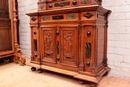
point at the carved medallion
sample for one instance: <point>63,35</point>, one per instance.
<point>88,15</point>
<point>33,18</point>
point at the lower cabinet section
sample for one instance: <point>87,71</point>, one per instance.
<point>71,41</point>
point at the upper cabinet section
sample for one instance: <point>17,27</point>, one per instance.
<point>59,4</point>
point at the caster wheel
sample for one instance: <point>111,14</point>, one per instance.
<point>40,70</point>
<point>33,69</point>
<point>81,82</point>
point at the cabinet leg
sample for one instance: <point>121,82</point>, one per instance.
<point>33,69</point>
<point>92,84</point>
<point>40,70</point>
<point>81,81</point>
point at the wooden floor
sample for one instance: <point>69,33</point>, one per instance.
<point>14,75</point>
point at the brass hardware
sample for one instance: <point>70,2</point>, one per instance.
<point>50,5</point>
<point>74,2</point>
<point>88,49</point>
<point>88,15</point>
<point>57,32</point>
<point>58,58</point>
<point>88,33</point>
<point>35,45</point>
<point>62,4</point>
<point>35,32</point>
<point>41,6</point>
<point>88,63</point>
<point>33,19</point>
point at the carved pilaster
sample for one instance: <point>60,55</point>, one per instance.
<point>18,57</point>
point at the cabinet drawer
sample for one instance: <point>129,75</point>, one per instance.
<point>61,4</point>
<point>60,17</point>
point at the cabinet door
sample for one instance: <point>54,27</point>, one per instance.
<point>69,45</point>
<point>48,44</point>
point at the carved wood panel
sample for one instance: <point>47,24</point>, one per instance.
<point>4,13</point>
<point>5,39</point>
<point>48,34</point>
<point>69,45</point>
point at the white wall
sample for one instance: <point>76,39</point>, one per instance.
<point>25,6</point>
<point>118,33</point>
<point>119,37</point>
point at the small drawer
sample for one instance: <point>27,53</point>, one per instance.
<point>62,4</point>
<point>60,17</point>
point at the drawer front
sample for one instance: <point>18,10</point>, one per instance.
<point>61,4</point>
<point>60,17</point>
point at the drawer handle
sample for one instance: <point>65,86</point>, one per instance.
<point>88,33</point>
<point>74,2</point>
<point>35,32</point>
<point>88,63</point>
<point>50,5</point>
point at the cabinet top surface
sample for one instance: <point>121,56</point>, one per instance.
<point>72,10</point>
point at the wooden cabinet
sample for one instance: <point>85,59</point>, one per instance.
<point>8,30</point>
<point>71,41</point>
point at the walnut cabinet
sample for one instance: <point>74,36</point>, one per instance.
<point>71,41</point>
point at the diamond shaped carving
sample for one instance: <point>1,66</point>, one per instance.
<point>88,15</point>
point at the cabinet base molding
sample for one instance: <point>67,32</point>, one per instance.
<point>91,78</point>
